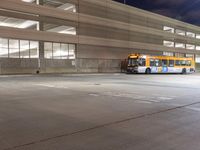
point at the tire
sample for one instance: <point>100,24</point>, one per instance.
<point>184,71</point>
<point>148,71</point>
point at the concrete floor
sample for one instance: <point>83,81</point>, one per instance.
<point>100,112</point>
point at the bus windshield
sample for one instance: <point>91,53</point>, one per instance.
<point>136,62</point>
<point>133,62</point>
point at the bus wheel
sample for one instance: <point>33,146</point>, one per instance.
<point>148,71</point>
<point>184,71</point>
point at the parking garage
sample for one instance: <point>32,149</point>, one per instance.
<point>71,36</point>
<point>61,86</point>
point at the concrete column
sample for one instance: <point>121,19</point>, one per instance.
<point>41,28</point>
<point>41,43</point>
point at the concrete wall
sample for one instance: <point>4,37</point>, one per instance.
<point>31,66</point>
<point>18,66</point>
<point>197,67</point>
<point>98,65</point>
<point>84,65</point>
<point>109,10</point>
<point>57,66</point>
<point>111,33</point>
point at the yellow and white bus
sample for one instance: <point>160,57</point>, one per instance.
<point>138,63</point>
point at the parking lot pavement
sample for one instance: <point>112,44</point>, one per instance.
<point>100,111</point>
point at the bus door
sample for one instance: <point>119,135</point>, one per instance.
<point>156,65</point>
<point>171,68</point>
<point>142,65</point>
<point>164,66</point>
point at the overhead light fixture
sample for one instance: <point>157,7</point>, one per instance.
<point>28,1</point>
<point>69,7</point>
<point>27,24</point>
<point>64,30</point>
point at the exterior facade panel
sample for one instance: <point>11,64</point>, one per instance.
<point>69,36</point>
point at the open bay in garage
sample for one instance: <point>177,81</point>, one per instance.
<point>100,112</point>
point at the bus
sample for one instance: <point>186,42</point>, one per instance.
<point>139,63</point>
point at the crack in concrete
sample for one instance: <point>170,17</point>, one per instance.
<point>102,126</point>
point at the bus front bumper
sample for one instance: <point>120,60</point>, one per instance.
<point>132,70</point>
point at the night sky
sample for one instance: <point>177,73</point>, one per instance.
<point>184,10</point>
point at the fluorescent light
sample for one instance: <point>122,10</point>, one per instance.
<point>28,1</point>
<point>68,7</point>
<point>27,24</point>
<point>17,23</point>
<point>64,30</point>
<point>68,32</point>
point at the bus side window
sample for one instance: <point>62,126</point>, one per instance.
<point>178,63</point>
<point>160,63</point>
<point>188,63</point>
<point>183,63</point>
<point>171,63</point>
<point>157,64</point>
<point>142,62</point>
<point>164,63</point>
<point>152,62</point>
<point>129,61</point>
